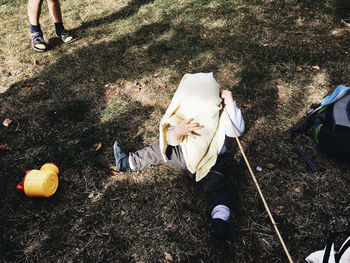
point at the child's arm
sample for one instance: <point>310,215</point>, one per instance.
<point>234,112</point>
<point>186,127</point>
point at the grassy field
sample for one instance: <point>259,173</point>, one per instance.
<point>69,104</point>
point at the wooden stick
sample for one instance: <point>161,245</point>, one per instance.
<point>260,192</point>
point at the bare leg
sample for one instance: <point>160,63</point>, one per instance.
<point>55,10</point>
<point>34,10</point>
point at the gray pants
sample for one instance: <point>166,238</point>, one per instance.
<point>151,155</point>
<point>214,184</point>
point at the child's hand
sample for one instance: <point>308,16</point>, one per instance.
<point>226,96</point>
<point>184,128</point>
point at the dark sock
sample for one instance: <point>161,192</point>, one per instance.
<point>59,28</point>
<point>35,29</point>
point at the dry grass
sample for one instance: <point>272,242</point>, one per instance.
<point>116,81</point>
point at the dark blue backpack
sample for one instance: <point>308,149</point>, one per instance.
<point>330,125</point>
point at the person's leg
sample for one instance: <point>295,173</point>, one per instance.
<point>55,10</point>
<point>56,13</point>
<point>216,189</point>
<point>152,156</point>
<point>34,10</point>
<point>148,156</point>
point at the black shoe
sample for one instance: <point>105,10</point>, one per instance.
<point>121,158</point>
<point>346,21</point>
<point>220,229</point>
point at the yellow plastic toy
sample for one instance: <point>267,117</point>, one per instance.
<point>40,183</point>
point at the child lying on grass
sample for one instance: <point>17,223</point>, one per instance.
<point>192,136</point>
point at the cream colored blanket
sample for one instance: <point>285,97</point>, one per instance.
<point>197,97</point>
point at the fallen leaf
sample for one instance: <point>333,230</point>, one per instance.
<point>135,90</point>
<point>91,195</point>
<point>297,189</point>
<point>7,122</point>
<point>278,209</point>
<point>236,70</point>
<point>106,86</point>
<point>250,259</point>
<point>4,147</point>
<point>341,189</point>
<point>168,256</point>
<point>42,83</point>
<point>122,213</point>
<point>190,63</point>
<point>99,146</point>
<point>156,75</point>
<point>247,106</point>
<point>269,165</point>
<point>276,198</point>
<point>37,63</point>
<point>56,47</point>
<point>315,67</point>
<point>298,68</point>
<point>202,35</point>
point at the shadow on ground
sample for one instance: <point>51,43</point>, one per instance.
<point>57,117</point>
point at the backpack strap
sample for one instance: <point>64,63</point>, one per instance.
<point>342,250</point>
<point>330,242</point>
<point>306,159</point>
<point>300,127</point>
<point>327,251</point>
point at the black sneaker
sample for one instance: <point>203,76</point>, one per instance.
<point>346,21</point>
<point>66,37</point>
<point>121,158</point>
<point>220,229</point>
<point>38,42</point>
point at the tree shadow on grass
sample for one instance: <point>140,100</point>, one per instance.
<point>342,8</point>
<point>127,11</point>
<point>58,117</point>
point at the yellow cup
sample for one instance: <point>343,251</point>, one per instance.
<point>40,183</point>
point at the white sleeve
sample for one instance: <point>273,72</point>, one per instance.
<point>167,138</point>
<point>236,118</point>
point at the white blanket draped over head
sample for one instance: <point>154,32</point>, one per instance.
<point>197,98</point>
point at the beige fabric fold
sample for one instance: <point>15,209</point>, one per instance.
<point>197,97</point>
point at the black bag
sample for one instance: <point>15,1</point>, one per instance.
<point>330,125</point>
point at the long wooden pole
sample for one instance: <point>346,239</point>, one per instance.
<point>260,192</point>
